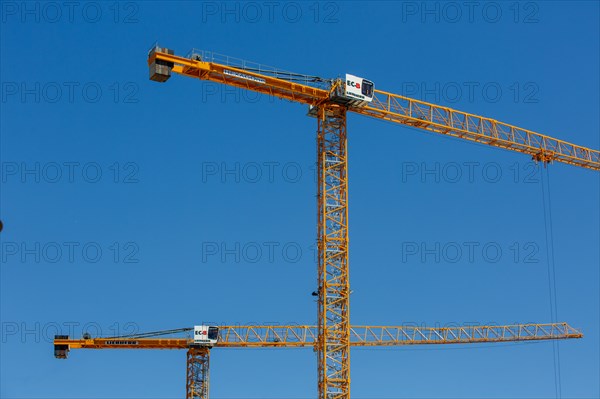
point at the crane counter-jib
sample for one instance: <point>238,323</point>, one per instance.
<point>162,62</point>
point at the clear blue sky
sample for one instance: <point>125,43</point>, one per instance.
<point>128,201</point>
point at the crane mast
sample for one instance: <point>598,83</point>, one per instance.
<point>333,346</point>
<point>330,100</point>
<point>197,381</point>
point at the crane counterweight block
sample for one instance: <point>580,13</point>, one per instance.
<point>61,351</point>
<point>160,70</point>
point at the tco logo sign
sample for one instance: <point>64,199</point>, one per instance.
<point>353,84</point>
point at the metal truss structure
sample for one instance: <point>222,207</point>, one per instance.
<point>333,336</point>
<point>197,373</point>
<point>333,347</point>
<point>197,377</point>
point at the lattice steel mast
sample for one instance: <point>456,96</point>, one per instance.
<point>333,347</point>
<point>334,335</point>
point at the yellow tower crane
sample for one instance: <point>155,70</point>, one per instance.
<point>198,349</point>
<point>329,101</point>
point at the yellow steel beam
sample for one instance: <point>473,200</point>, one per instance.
<point>398,336</point>
<point>448,121</point>
<point>237,77</point>
<point>399,109</point>
<point>333,344</point>
<point>306,336</point>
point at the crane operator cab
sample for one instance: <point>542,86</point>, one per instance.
<point>353,92</point>
<point>205,336</point>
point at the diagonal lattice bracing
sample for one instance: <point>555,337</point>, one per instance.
<point>333,344</point>
<point>197,373</point>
